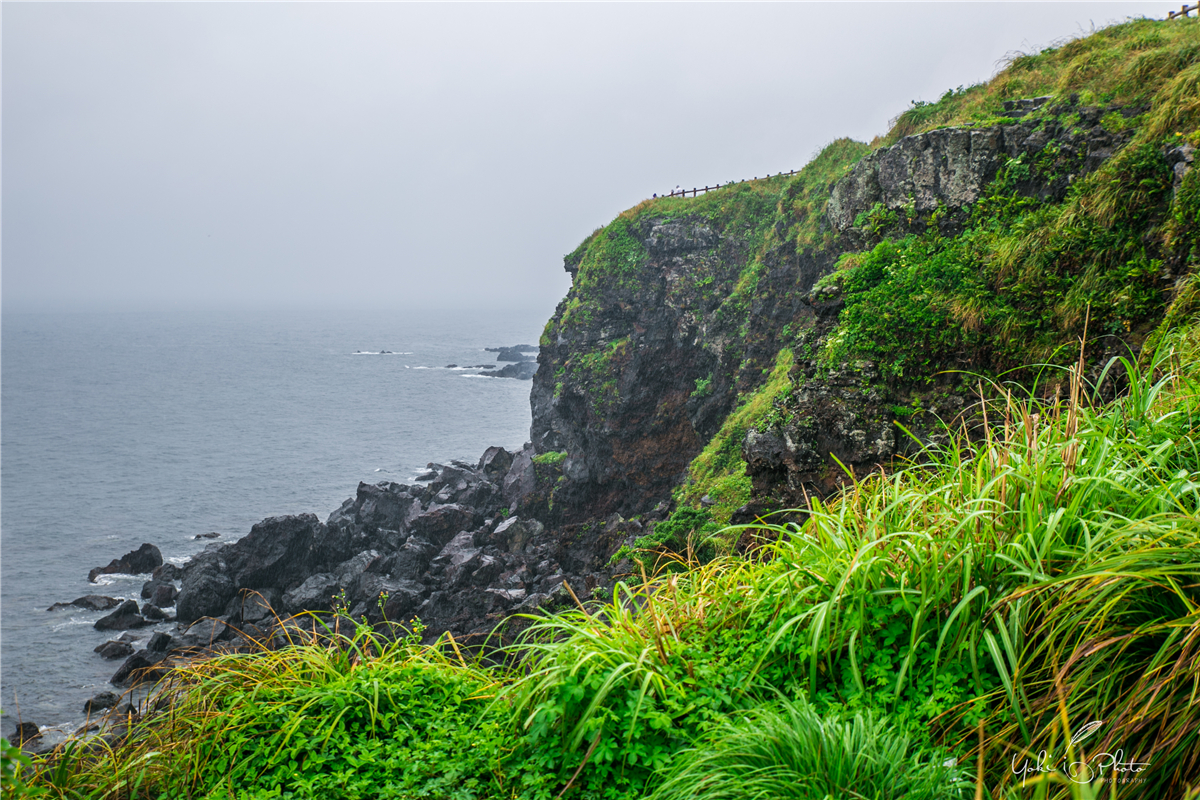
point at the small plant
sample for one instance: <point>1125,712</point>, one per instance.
<point>550,459</point>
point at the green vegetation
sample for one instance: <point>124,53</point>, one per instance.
<point>550,459</point>
<point>793,752</point>
<point>979,604</point>
<point>927,632</point>
<point>1126,64</point>
<point>719,472</point>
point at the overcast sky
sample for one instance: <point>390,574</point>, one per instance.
<point>382,155</point>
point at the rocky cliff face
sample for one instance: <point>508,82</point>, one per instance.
<point>667,351</point>
<point>676,312</point>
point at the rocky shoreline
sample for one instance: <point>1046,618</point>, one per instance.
<point>632,380</point>
<point>451,549</point>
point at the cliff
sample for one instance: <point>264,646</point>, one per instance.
<point>721,357</point>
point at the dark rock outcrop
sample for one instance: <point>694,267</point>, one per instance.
<point>441,551</point>
<point>142,666</point>
<point>125,617</point>
<point>24,732</point>
<point>145,559</point>
<point>950,168</point>
<point>523,371</point>
<point>115,650</point>
<point>101,701</point>
<point>520,352</point>
<point>90,602</point>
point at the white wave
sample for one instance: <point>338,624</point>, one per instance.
<point>111,578</point>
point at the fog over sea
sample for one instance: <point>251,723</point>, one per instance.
<point>124,428</point>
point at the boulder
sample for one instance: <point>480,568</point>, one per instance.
<point>348,572</point>
<point>164,595</point>
<point>494,463</point>
<point>24,732</point>
<point>141,666</point>
<point>207,588</point>
<point>125,617</point>
<point>520,479</point>
<point>514,534</point>
<point>253,606</point>
<point>101,701</point>
<point>114,650</point>
<point>90,602</point>
<point>315,594</point>
<point>409,562</point>
<point>167,572</point>
<point>403,599</point>
<point>383,505</point>
<point>159,642</point>
<point>276,552</point>
<point>439,525</point>
<point>145,559</point>
<point>154,613</point>
<point>203,633</point>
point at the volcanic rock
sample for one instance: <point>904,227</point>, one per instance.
<point>145,559</point>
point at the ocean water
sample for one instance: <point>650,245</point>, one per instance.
<point>124,428</point>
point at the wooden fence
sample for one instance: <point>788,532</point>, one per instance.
<point>706,189</point>
<point>1183,12</point>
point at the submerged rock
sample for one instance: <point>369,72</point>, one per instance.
<point>90,602</point>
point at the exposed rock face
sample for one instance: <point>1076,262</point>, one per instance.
<point>950,168</point>
<point>849,414</point>
<point>640,370</point>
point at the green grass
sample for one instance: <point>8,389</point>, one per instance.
<point>975,604</point>
<point>789,751</point>
<point>1126,64</point>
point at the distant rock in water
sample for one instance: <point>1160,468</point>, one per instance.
<point>145,559</point>
<point>518,352</point>
<point>209,535</point>
<point>522,371</point>
<point>90,602</point>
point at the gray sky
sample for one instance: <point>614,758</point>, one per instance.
<point>410,155</point>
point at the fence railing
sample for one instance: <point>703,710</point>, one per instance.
<point>1183,12</point>
<point>704,190</point>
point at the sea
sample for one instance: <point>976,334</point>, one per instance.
<point>123,428</point>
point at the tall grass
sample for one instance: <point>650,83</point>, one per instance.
<point>1050,565</point>
<point>790,752</point>
<point>1025,600</point>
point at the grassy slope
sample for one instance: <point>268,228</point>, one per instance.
<point>1026,277</point>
